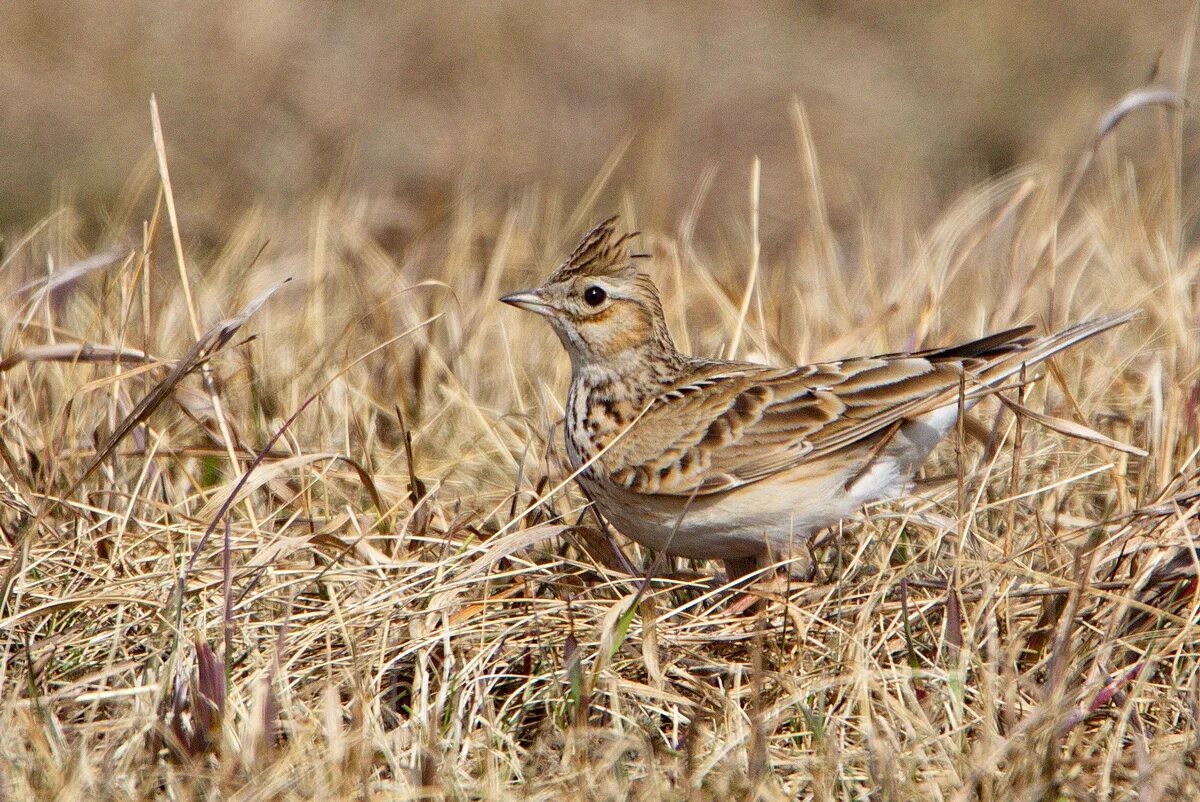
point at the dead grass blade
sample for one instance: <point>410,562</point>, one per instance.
<point>203,349</point>
<point>1071,429</point>
<point>81,352</point>
<point>71,273</point>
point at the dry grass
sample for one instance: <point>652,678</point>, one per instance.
<point>320,549</point>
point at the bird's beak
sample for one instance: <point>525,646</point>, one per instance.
<point>530,301</point>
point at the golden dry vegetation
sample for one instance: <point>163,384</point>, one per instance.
<point>282,515</point>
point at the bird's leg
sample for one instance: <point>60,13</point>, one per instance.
<point>767,585</point>
<point>738,567</point>
<point>749,595</point>
<point>814,568</point>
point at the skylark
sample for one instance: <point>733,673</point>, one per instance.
<point>736,461</point>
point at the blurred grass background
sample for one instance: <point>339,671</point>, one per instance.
<point>420,103</point>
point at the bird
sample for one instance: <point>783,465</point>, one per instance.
<point>737,461</point>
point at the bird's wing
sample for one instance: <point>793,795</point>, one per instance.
<point>737,426</point>
<point>734,424</point>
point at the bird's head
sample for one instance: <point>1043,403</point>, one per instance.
<point>603,309</point>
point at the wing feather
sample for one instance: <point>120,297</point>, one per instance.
<point>736,423</point>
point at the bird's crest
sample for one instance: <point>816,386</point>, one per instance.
<point>602,252</point>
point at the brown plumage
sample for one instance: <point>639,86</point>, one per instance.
<point>738,461</point>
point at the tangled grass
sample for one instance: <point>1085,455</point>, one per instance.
<point>267,540</point>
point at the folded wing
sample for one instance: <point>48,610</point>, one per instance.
<point>738,424</point>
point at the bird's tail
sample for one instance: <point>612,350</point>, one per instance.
<point>996,367</point>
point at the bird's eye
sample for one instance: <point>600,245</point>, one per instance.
<point>594,295</point>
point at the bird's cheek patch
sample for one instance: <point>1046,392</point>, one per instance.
<point>617,328</point>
